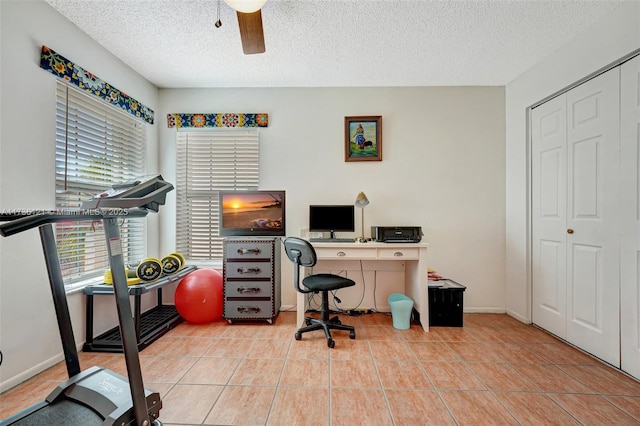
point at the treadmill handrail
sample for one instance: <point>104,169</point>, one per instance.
<point>155,196</point>
<point>29,221</point>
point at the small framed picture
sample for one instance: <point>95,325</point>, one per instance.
<point>363,138</point>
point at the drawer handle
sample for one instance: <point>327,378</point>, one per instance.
<point>249,270</point>
<point>398,254</point>
<point>341,253</point>
<point>245,309</point>
<point>248,289</point>
<point>251,250</point>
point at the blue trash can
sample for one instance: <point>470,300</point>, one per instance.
<point>401,307</point>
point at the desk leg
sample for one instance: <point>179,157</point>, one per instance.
<point>422,279</point>
<point>301,308</point>
<point>417,286</point>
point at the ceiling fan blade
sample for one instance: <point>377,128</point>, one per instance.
<point>251,32</point>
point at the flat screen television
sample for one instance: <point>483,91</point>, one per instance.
<point>335,218</point>
<point>252,213</point>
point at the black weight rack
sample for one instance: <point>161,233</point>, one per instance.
<point>149,325</point>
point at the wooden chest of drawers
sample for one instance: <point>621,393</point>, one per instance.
<point>251,271</point>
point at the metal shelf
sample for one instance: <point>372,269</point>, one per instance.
<point>149,325</point>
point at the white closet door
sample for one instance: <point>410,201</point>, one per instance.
<point>549,194</point>
<point>593,242</point>
<point>630,223</point>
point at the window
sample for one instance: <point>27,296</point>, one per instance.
<point>208,162</point>
<point>96,145</point>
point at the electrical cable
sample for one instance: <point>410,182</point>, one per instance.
<point>311,301</point>
<point>314,306</point>
<point>364,290</point>
<point>375,303</point>
<point>364,284</point>
<point>353,310</point>
<point>375,286</point>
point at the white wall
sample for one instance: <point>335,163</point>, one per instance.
<point>442,168</point>
<point>29,338</point>
<point>608,40</point>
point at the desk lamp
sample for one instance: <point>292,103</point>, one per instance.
<point>361,202</point>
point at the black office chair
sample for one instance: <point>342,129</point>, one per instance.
<point>302,253</point>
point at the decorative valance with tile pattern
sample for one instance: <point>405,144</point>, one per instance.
<point>63,68</point>
<point>218,120</point>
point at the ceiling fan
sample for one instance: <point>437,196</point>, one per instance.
<point>250,23</point>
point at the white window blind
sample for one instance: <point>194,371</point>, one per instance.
<point>96,145</point>
<point>208,162</point>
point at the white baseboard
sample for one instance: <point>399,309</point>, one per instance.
<point>519,317</point>
<point>287,308</point>
<point>489,310</point>
<point>34,371</point>
<point>512,314</point>
<point>484,311</point>
<point>31,372</point>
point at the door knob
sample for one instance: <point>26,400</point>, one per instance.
<point>569,231</point>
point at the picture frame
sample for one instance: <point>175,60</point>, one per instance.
<point>363,138</point>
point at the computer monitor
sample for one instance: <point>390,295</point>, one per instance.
<point>334,218</point>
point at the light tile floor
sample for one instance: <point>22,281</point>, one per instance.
<point>494,370</point>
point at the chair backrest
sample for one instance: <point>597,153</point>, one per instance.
<point>300,251</point>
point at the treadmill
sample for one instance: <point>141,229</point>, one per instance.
<point>95,396</point>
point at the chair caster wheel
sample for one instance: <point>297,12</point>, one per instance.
<point>352,335</point>
<point>298,335</point>
<point>331,343</point>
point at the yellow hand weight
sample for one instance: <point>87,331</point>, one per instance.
<point>149,269</point>
<point>131,280</point>
<point>171,264</point>
<point>179,256</point>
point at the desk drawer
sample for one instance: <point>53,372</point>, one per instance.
<point>247,309</point>
<point>248,250</point>
<point>244,270</point>
<point>345,253</point>
<point>248,289</point>
<point>398,253</point>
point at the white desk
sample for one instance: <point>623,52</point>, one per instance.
<point>414,255</point>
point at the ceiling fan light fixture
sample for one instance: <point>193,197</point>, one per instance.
<point>246,6</point>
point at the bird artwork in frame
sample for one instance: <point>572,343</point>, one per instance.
<point>363,138</point>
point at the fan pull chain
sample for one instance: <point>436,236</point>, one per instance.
<point>218,23</point>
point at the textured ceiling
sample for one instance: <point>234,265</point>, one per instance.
<point>335,43</point>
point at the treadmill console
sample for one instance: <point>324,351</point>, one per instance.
<point>146,192</point>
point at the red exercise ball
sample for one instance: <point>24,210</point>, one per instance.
<point>198,297</point>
